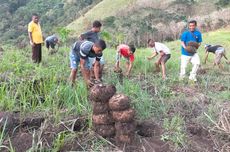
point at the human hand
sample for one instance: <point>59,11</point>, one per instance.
<point>89,83</point>
<point>32,44</point>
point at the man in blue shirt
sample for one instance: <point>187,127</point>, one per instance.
<point>190,35</point>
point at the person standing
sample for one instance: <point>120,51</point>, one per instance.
<point>36,38</point>
<point>190,35</point>
<point>93,36</point>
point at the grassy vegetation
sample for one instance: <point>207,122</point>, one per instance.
<point>27,87</point>
<point>100,11</point>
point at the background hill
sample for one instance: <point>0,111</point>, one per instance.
<point>124,20</point>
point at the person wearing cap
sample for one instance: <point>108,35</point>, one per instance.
<point>127,52</point>
<point>164,53</point>
<point>219,52</point>
<point>51,41</point>
<point>192,34</point>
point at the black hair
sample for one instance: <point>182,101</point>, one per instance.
<point>193,21</point>
<point>100,43</point>
<point>149,40</point>
<point>34,14</point>
<point>132,48</point>
<point>97,24</point>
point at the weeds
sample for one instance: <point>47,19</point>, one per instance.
<point>174,131</point>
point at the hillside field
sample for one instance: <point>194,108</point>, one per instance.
<point>183,116</point>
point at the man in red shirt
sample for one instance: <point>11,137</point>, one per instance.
<point>126,51</point>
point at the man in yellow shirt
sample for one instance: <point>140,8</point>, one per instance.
<point>36,39</point>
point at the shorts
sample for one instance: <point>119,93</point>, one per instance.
<point>75,61</point>
<point>49,44</point>
<point>219,54</point>
<point>37,53</point>
<point>165,58</point>
<point>102,61</point>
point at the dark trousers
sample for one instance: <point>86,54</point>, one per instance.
<point>37,53</point>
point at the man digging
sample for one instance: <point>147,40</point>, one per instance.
<point>219,52</point>
<point>80,54</point>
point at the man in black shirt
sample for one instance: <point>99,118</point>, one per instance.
<point>219,52</point>
<point>93,35</point>
<point>80,54</point>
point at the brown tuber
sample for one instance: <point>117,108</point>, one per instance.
<point>102,93</point>
<point>125,128</point>
<point>102,119</point>
<point>124,138</point>
<point>100,108</point>
<point>105,130</point>
<point>119,102</point>
<point>193,44</point>
<point>124,116</point>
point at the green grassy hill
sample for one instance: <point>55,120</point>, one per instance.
<point>102,10</point>
<point>135,21</point>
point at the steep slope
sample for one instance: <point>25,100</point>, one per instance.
<point>138,20</point>
<point>102,10</point>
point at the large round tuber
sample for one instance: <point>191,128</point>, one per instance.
<point>125,128</point>
<point>103,119</point>
<point>100,107</point>
<point>119,102</point>
<point>105,130</point>
<point>102,93</point>
<point>124,116</point>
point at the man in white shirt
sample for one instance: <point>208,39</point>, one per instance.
<point>164,52</point>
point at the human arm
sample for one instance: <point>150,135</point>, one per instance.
<point>206,57</point>
<point>97,70</point>
<point>153,55</point>
<point>118,56</point>
<point>130,65</point>
<point>31,39</point>
<point>85,72</point>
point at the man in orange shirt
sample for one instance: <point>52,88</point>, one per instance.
<point>126,51</point>
<point>36,39</point>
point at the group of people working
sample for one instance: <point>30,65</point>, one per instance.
<point>88,52</point>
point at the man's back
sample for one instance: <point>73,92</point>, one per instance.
<point>90,36</point>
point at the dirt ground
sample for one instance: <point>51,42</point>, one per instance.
<point>147,139</point>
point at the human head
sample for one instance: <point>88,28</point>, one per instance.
<point>132,49</point>
<point>151,43</point>
<point>206,46</point>
<point>35,18</point>
<point>56,40</point>
<point>99,46</point>
<point>192,25</point>
<point>96,26</point>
